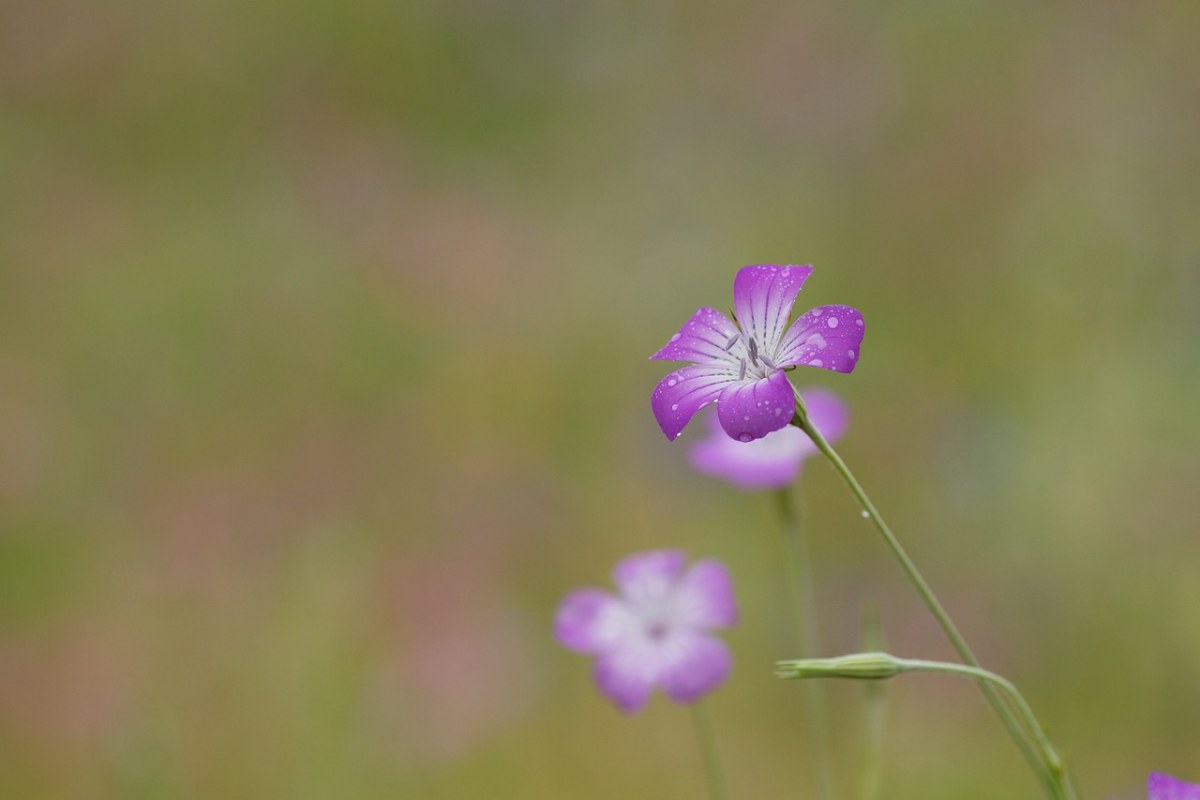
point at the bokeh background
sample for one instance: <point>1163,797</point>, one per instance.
<point>323,376</point>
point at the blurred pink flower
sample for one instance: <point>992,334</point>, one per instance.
<point>656,633</point>
<point>1164,787</point>
<point>773,461</point>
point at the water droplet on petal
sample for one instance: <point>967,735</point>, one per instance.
<point>675,338</point>
<point>675,406</point>
<point>745,437</point>
<point>858,322</point>
<point>778,411</point>
<point>816,312</point>
<point>746,418</point>
<point>816,362</point>
<point>672,382</point>
<point>850,353</point>
<point>832,322</point>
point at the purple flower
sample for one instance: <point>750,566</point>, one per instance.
<point>1164,787</point>
<point>741,366</point>
<point>773,461</point>
<point>656,632</point>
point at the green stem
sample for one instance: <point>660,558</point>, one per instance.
<point>804,584</point>
<point>878,665</point>
<point>1051,756</point>
<point>1056,784</point>
<point>874,714</point>
<point>708,752</point>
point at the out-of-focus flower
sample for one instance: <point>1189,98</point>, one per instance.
<point>773,461</point>
<point>656,632</point>
<point>740,365</point>
<point>1164,787</point>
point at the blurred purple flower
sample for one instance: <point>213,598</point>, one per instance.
<point>1164,787</point>
<point>741,365</point>
<point>656,632</point>
<point>773,461</point>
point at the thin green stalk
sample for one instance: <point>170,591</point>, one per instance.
<point>1027,716</point>
<point>879,665</point>
<point>875,723</point>
<point>795,540</point>
<point>874,713</point>
<point>708,752</point>
<point>1057,785</point>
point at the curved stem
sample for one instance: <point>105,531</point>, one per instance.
<point>879,666</point>
<point>708,752</point>
<point>1055,784</point>
<point>804,584</point>
<point>1053,760</point>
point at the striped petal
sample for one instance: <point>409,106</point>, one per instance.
<point>702,338</point>
<point>762,298</point>
<point>685,391</point>
<point>749,410</point>
<point>827,336</point>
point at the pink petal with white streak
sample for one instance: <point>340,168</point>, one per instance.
<point>591,621</point>
<point>702,338</point>
<point>749,410</point>
<point>828,337</point>
<point>704,597</point>
<point>649,577</point>
<point>685,391</point>
<point>700,664</point>
<point>763,295</point>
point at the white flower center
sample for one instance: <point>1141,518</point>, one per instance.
<point>750,359</point>
<point>656,617</point>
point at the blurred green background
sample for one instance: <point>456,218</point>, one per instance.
<point>323,339</point>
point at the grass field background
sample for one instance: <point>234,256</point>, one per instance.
<point>323,376</point>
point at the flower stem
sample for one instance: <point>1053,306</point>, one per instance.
<point>1054,780</point>
<point>875,714</point>
<point>708,752</point>
<point>795,540</point>
<point>1051,756</point>
<point>874,666</point>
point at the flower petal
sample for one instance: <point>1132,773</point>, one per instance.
<point>827,412</point>
<point>749,410</point>
<point>704,596</point>
<point>685,391</point>
<point>1164,787</point>
<point>626,677</point>
<point>698,665</point>
<point>763,295</point>
<point>591,621</point>
<point>702,338</point>
<point>771,462</point>
<point>649,577</point>
<point>827,337</point>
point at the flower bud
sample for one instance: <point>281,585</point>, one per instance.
<point>863,666</point>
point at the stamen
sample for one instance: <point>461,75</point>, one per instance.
<point>732,341</point>
<point>753,351</point>
<point>742,371</point>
